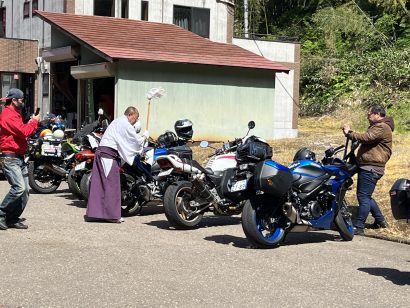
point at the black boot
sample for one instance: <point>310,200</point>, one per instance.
<point>3,224</point>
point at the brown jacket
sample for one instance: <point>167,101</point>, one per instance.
<point>376,143</point>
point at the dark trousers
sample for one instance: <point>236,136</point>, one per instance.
<point>366,183</point>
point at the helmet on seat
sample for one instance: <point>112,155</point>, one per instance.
<point>303,154</point>
<point>183,128</point>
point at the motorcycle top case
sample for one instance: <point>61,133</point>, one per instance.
<point>400,199</point>
<point>253,150</point>
<point>182,151</point>
<point>272,178</point>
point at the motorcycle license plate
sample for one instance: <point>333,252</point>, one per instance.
<point>240,185</point>
<point>50,150</point>
<point>165,173</point>
<point>80,166</point>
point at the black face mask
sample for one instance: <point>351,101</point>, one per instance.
<point>19,106</point>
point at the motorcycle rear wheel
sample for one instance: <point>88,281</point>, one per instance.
<point>74,181</point>
<point>263,223</point>
<point>41,180</point>
<point>343,222</point>
<point>85,185</point>
<point>177,208</point>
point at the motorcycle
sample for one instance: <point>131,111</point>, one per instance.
<point>83,163</point>
<point>139,182</point>
<point>220,187</point>
<point>50,160</point>
<point>306,195</point>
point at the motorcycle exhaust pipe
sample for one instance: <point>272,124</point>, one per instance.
<point>289,211</point>
<point>56,169</point>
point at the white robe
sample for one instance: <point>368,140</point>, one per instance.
<point>121,136</point>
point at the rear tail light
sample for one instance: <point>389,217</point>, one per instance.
<point>84,155</point>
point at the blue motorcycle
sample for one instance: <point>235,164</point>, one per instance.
<point>307,195</point>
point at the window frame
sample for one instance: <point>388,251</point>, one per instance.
<point>34,7</point>
<point>26,9</point>
<point>143,17</point>
<point>193,11</point>
<point>3,16</point>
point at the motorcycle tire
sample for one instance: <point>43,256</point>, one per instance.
<point>129,206</point>
<point>42,181</point>
<point>176,208</point>
<point>74,180</point>
<point>257,223</point>
<point>85,185</point>
<point>343,223</point>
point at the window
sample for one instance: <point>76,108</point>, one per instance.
<point>3,22</point>
<point>124,9</point>
<point>193,19</point>
<point>26,9</point>
<point>34,6</point>
<point>144,10</point>
<point>104,8</point>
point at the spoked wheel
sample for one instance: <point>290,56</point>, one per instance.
<point>131,204</point>
<point>343,222</point>
<point>177,206</point>
<point>42,180</point>
<point>263,223</point>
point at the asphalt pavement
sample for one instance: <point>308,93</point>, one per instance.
<point>62,261</point>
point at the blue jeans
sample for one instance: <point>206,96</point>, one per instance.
<point>366,183</point>
<point>16,173</point>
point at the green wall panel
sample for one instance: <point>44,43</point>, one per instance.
<point>219,100</point>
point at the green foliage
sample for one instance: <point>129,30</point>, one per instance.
<point>353,51</point>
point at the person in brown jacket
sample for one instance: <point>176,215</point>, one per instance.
<point>374,152</point>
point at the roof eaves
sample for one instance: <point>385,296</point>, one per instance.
<point>75,38</point>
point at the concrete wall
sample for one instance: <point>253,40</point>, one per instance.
<point>287,84</point>
<point>31,27</point>
<point>221,21</point>
<point>220,101</point>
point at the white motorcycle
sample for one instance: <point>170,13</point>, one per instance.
<point>220,187</point>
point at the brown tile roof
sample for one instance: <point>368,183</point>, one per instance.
<point>117,38</point>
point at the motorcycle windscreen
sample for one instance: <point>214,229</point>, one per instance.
<point>272,178</point>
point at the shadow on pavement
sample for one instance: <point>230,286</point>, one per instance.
<point>291,239</point>
<point>394,275</point>
<point>226,239</point>
<point>206,222</point>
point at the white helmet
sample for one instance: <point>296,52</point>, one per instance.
<point>137,126</point>
<point>58,134</point>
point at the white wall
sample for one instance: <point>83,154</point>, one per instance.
<point>286,102</point>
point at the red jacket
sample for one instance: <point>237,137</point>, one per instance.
<point>13,132</point>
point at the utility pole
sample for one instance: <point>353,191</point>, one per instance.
<point>246,18</point>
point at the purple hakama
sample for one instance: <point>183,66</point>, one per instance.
<point>104,201</point>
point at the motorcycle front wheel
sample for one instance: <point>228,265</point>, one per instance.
<point>263,223</point>
<point>41,180</point>
<point>177,207</point>
<point>74,181</point>
<point>130,205</point>
<point>343,222</point>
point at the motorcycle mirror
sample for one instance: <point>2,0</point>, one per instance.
<point>204,144</point>
<point>251,124</point>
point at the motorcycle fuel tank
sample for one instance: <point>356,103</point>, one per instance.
<point>307,175</point>
<point>272,178</point>
<point>219,163</point>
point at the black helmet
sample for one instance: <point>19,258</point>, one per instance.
<point>183,128</point>
<point>304,153</point>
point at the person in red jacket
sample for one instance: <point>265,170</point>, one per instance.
<point>13,146</point>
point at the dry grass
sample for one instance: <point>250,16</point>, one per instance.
<point>318,134</point>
